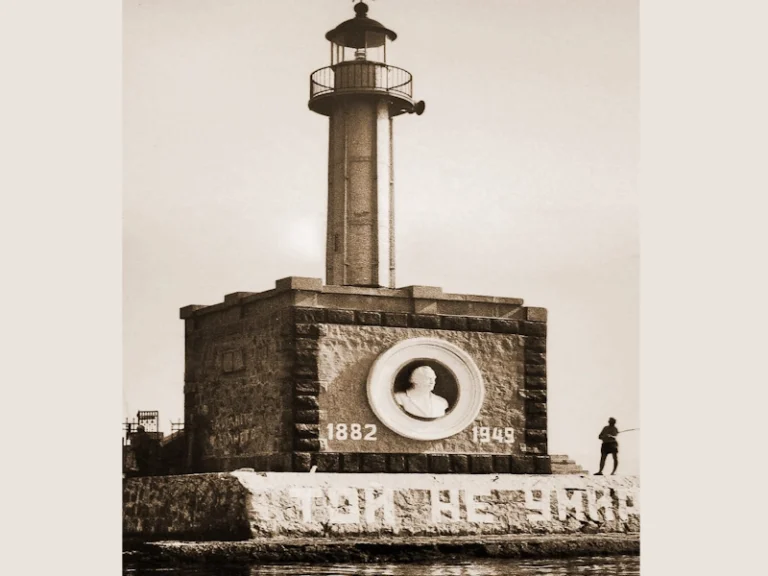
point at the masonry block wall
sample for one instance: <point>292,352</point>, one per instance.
<point>346,353</point>
<point>267,373</point>
<point>238,397</point>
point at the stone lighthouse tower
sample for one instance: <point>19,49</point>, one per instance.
<point>361,94</point>
<point>356,374</point>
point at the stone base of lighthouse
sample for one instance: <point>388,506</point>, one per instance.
<point>302,377</point>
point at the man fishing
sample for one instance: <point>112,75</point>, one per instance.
<point>610,446</point>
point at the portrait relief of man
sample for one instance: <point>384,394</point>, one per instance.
<point>419,400</point>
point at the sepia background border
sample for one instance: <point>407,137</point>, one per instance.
<point>703,283</point>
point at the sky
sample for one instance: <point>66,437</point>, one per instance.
<point>519,180</point>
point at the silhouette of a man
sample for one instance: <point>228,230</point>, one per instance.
<point>610,445</point>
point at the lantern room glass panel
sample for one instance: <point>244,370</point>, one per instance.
<point>368,46</point>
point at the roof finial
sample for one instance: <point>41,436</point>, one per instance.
<point>361,9</point>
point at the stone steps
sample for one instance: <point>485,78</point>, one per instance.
<point>561,464</point>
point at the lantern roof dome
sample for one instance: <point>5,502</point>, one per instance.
<point>352,32</point>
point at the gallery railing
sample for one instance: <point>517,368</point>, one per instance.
<point>361,76</point>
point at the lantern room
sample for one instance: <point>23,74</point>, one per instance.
<point>359,38</point>
<point>359,67</point>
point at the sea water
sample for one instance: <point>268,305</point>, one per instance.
<point>589,566</point>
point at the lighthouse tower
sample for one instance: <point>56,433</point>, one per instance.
<point>361,94</point>
<point>355,375</point>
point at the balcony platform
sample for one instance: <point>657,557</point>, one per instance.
<point>361,79</point>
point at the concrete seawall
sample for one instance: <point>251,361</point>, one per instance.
<point>245,505</point>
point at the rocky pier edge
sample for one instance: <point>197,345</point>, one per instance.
<point>379,550</point>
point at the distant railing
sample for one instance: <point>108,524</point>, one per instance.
<point>360,76</point>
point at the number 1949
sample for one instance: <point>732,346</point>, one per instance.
<point>485,434</point>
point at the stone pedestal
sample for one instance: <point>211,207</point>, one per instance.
<point>283,380</point>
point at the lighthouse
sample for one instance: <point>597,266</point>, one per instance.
<point>356,374</point>
<point>323,416</point>
<point>361,94</point>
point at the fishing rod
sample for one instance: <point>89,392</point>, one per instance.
<point>628,430</point>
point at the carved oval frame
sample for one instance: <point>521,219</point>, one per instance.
<point>468,377</point>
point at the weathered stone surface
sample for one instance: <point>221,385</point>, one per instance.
<point>424,321</point>
<point>504,326</point>
<point>535,382</point>
<point>309,315</point>
<point>536,449</point>
<point>299,283</point>
<point>395,319</point>
<point>306,388</point>
<point>307,416</point>
<point>239,412</point>
<point>305,358</point>
<point>532,357</point>
<point>369,318</point>
<point>429,292</point>
<point>307,330</point>
<point>439,463</point>
<point>396,463</point>
<point>453,323</point>
<point>535,328</point>
<point>460,463</point>
<point>302,462</point>
<point>187,312</point>
<point>347,354</point>
<point>280,462</point>
<point>380,505</point>
<point>536,395</point>
<point>308,371</point>
<point>260,462</point>
<point>562,464</point>
<point>374,463</point>
<point>535,369</point>
<point>501,464</point>
<point>306,430</point>
<point>417,463</point>
<point>537,408</point>
<point>521,465</point>
<point>542,465</point>
<point>532,436</point>
<point>258,367</point>
<point>479,324</point>
<point>350,462</point>
<point>307,444</point>
<point>481,463</point>
<point>304,345</point>
<point>534,314</point>
<point>536,344</point>
<point>341,316</point>
<point>186,507</point>
<point>425,306</point>
<point>306,403</point>
<point>327,462</point>
<point>536,422</point>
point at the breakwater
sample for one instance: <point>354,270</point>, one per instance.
<point>246,505</point>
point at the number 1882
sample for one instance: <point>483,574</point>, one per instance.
<point>351,431</point>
